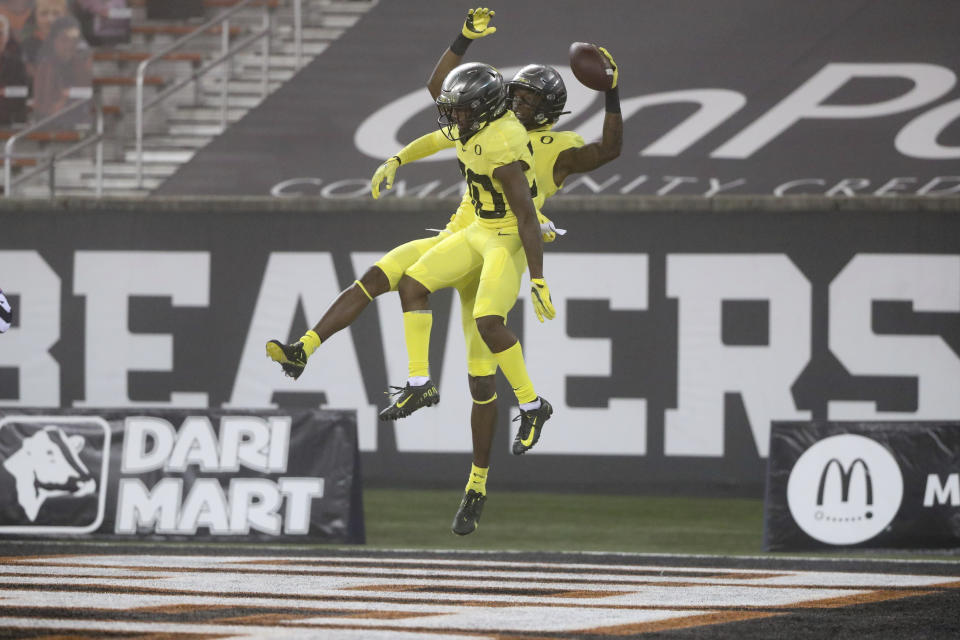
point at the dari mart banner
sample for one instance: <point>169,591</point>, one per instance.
<point>870,484</point>
<point>173,474</point>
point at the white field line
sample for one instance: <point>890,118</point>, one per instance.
<point>373,596</point>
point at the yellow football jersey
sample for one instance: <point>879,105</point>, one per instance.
<point>464,216</point>
<point>547,145</point>
<point>500,143</point>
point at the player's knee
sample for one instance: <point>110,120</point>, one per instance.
<point>375,282</point>
<point>488,326</point>
<point>412,291</point>
<point>482,388</point>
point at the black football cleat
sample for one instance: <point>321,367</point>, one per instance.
<point>468,515</point>
<point>408,399</point>
<point>290,356</point>
<point>531,424</point>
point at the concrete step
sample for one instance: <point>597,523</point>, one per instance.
<point>339,6</point>
<point>109,183</point>
<point>235,99</point>
<point>326,30</point>
<point>212,84</point>
<point>311,20</point>
<point>314,41</point>
<point>204,115</point>
<point>281,67</point>
<point>119,190</point>
<point>154,169</point>
<point>177,141</point>
<point>157,42</point>
<point>309,31</point>
<point>241,101</point>
<point>338,21</point>
<point>125,184</point>
<point>87,169</point>
<point>32,191</point>
<point>252,73</point>
<point>288,47</point>
<point>191,129</point>
<point>165,156</point>
<point>278,61</point>
<point>211,122</point>
<point>107,193</point>
<point>253,76</point>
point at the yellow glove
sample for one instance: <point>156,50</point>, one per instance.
<point>542,304</point>
<point>477,24</point>
<point>616,72</point>
<point>386,171</point>
<point>548,234</point>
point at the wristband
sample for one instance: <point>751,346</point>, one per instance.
<point>613,100</point>
<point>460,45</point>
<point>399,161</point>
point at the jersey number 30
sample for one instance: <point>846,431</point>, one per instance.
<point>476,182</point>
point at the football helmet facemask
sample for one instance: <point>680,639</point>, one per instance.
<point>546,83</point>
<point>472,95</point>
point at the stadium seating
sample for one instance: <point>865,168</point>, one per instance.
<point>190,117</point>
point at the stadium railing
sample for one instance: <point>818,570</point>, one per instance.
<point>47,161</point>
<point>227,53</point>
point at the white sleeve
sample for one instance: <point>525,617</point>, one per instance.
<point>6,313</point>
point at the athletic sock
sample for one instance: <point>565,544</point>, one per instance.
<point>478,479</point>
<point>310,342</point>
<point>416,333</point>
<point>515,370</point>
<point>531,406</point>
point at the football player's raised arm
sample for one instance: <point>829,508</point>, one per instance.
<point>447,62</point>
<point>517,192</point>
<point>477,25</point>
<point>596,154</point>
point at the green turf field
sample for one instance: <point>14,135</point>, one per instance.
<point>559,522</point>
<point>407,519</point>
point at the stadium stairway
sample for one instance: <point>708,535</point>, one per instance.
<point>190,118</point>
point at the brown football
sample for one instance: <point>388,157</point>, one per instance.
<point>590,66</point>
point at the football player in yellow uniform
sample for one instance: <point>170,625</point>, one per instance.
<point>495,156</point>
<point>537,95</point>
<point>385,274</point>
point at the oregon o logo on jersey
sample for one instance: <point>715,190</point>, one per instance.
<point>546,139</point>
<point>502,142</point>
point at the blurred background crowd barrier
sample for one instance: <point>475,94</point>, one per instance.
<point>140,85</point>
<point>46,52</point>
